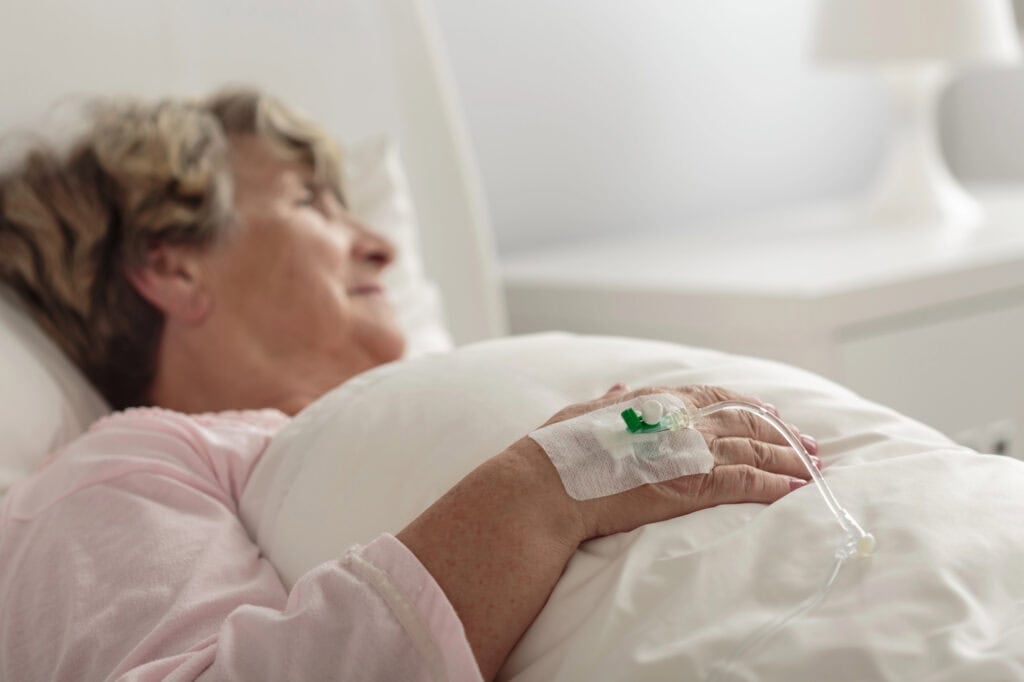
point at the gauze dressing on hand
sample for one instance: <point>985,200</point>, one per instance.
<point>596,456</point>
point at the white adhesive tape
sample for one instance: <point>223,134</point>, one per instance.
<point>596,455</point>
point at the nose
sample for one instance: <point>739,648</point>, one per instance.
<point>372,248</point>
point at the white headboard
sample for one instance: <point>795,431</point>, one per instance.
<point>360,67</point>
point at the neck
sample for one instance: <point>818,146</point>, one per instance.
<point>209,372</point>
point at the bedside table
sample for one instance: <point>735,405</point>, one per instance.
<point>930,325</point>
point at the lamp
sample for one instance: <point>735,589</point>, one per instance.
<point>917,45</point>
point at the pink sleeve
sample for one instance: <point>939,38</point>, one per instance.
<point>132,564</point>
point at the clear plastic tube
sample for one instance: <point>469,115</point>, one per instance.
<point>856,541</point>
<point>757,639</point>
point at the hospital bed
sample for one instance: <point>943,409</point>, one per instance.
<point>742,592</point>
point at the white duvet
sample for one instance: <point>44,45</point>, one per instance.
<point>941,599</point>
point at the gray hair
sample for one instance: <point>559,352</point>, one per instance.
<point>73,224</point>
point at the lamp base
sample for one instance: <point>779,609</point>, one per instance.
<point>915,185</point>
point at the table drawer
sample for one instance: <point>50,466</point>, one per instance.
<point>961,369</point>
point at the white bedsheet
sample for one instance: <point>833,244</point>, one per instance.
<point>942,599</point>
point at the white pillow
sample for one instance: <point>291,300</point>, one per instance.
<point>410,431</point>
<point>940,599</point>
<point>378,193</point>
<point>45,402</point>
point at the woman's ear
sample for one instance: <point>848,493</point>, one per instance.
<point>171,279</point>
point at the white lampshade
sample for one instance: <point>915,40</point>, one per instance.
<point>916,46</point>
<point>942,31</point>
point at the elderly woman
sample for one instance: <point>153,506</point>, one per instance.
<point>196,260</point>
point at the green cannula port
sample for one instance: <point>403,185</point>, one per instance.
<point>635,423</point>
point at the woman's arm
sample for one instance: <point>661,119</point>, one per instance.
<point>497,543</point>
<point>126,559</point>
<point>499,540</point>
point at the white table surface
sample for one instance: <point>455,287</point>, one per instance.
<point>828,260</point>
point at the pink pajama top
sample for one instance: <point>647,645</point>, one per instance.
<point>124,558</point>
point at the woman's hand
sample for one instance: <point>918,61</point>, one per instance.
<point>498,541</point>
<point>753,463</point>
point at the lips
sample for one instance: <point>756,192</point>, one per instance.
<point>366,290</point>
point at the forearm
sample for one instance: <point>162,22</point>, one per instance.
<point>497,543</point>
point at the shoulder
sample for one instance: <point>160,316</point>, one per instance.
<point>152,431</point>
<point>160,420</point>
<point>135,520</point>
<point>213,453</point>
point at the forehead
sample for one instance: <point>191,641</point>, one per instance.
<point>256,164</point>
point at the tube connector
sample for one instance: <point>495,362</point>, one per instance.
<point>861,546</point>
<point>857,542</point>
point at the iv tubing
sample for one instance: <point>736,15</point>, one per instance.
<point>858,541</point>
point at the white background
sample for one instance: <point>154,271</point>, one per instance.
<point>602,116</point>
<point>586,116</point>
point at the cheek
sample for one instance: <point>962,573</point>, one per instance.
<point>309,285</point>
<point>317,273</point>
<point>287,279</point>
<point>301,250</point>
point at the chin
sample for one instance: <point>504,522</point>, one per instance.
<point>390,345</point>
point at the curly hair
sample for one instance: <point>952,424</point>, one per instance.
<point>74,224</point>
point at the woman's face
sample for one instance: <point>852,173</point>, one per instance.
<point>298,274</point>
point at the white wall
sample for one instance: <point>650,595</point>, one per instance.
<point>984,116</point>
<point>602,116</point>
<point>587,116</point>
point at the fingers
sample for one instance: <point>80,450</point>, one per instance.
<point>616,390</point>
<point>776,459</point>
<point>735,423</point>
<point>615,394</point>
<point>727,424</point>
<point>742,483</point>
<point>703,396</point>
